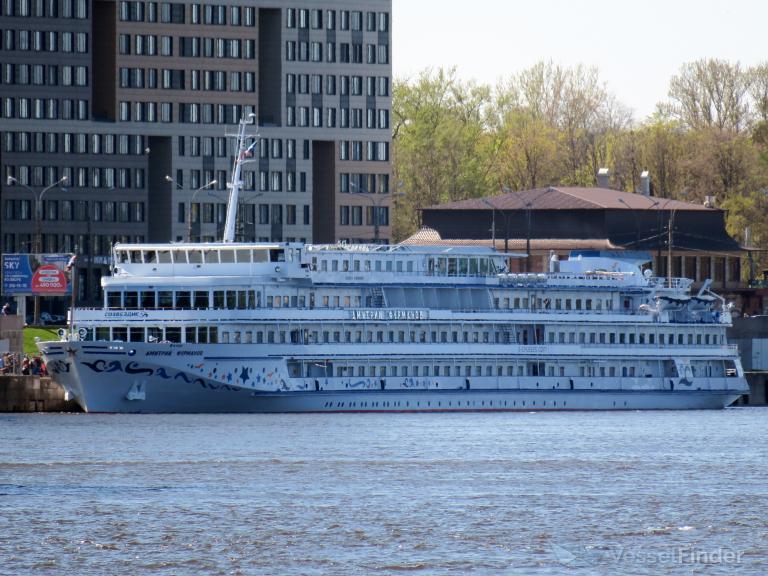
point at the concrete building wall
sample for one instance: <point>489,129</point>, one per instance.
<point>117,95</point>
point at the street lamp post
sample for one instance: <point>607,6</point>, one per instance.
<point>376,207</point>
<point>493,230</point>
<point>669,247</point>
<point>241,215</point>
<point>637,220</point>
<point>38,245</point>
<point>191,202</point>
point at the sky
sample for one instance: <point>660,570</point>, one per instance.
<point>636,46</point>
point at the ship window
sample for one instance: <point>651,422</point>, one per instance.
<point>261,256</point>
<point>231,299</point>
<point>202,335</point>
<point>182,299</point>
<point>120,333</point>
<point>243,255</point>
<point>195,256</point>
<point>114,299</point>
<point>367,266</point>
<point>131,299</point>
<point>211,256</point>
<point>148,299</point>
<point>357,265</point>
<point>277,255</point>
<point>213,335</point>
<point>242,299</point>
<point>201,300</point>
<point>652,339</point>
<point>462,266</point>
<point>150,256</point>
<point>473,266</point>
<point>180,257</point>
<point>122,256</point>
<point>334,265</point>
<point>102,333</point>
<point>227,256</point>
<point>377,266</point>
<point>135,256</point>
<point>190,334</point>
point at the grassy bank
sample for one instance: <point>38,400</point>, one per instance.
<point>42,333</point>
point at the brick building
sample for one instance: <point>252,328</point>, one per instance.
<point>561,219</point>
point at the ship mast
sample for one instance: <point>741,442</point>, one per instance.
<point>243,155</point>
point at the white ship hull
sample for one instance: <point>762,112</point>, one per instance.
<point>121,378</point>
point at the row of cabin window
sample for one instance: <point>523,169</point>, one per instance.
<point>521,335</point>
<point>201,334</point>
<point>223,300</point>
<point>355,265</point>
<point>534,303</point>
<point>200,256</point>
<point>443,266</point>
<point>184,299</point>
<point>668,339</point>
<point>624,369</point>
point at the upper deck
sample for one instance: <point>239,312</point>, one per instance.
<point>354,264</point>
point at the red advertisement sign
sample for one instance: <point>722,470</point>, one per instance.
<point>49,279</point>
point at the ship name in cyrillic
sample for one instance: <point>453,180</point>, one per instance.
<point>389,315</point>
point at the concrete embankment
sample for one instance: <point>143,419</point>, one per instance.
<point>33,394</point>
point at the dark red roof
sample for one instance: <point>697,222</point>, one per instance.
<point>569,198</point>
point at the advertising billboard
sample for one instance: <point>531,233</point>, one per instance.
<point>36,274</point>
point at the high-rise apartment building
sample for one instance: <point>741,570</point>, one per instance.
<point>127,106</point>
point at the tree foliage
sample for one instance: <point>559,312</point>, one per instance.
<point>553,125</point>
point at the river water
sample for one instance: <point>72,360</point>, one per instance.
<point>500,493</point>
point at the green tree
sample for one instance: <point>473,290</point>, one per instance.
<point>442,147</point>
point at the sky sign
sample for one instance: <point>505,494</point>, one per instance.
<point>36,274</point>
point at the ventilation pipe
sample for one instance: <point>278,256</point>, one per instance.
<point>554,262</point>
<point>645,183</point>
<point>602,178</point>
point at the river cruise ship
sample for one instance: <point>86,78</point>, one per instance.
<point>284,327</point>
<point>230,327</point>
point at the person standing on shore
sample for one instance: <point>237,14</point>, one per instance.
<point>6,309</point>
